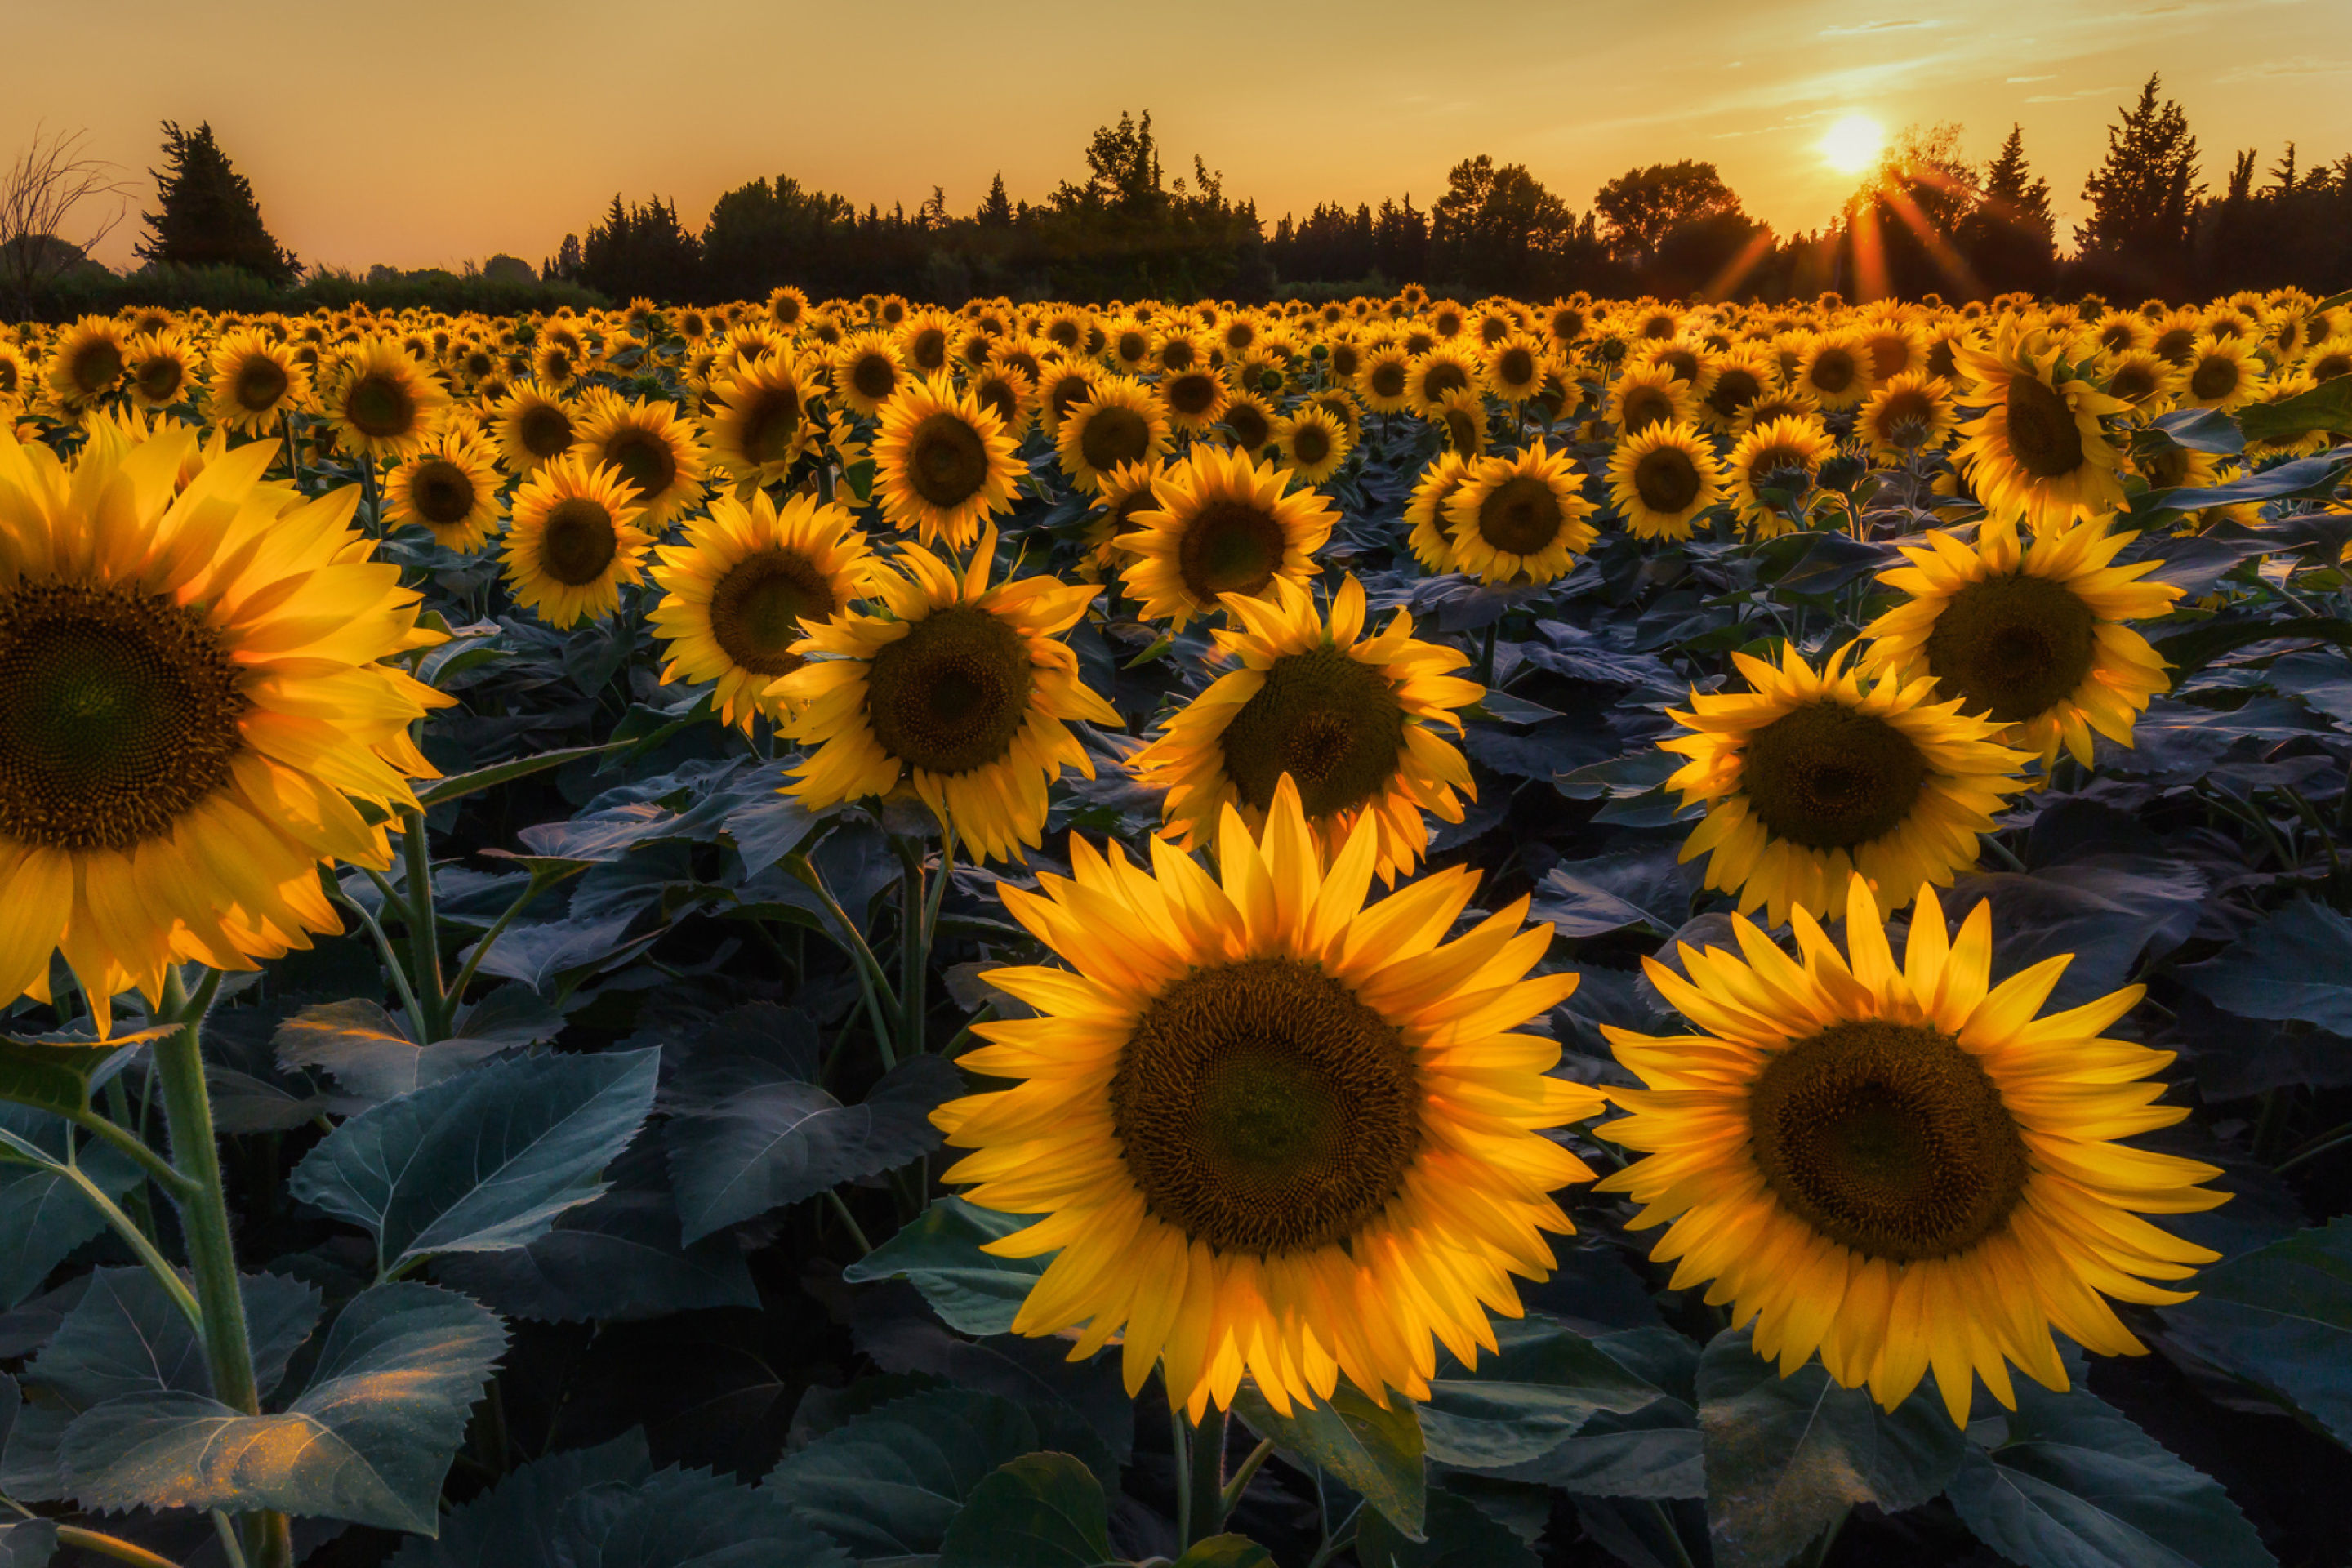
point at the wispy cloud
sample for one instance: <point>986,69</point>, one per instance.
<point>1862,30</point>
<point>2270,69</point>
<point>2016,80</point>
<point>2080,92</point>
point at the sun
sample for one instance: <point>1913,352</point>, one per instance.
<point>1852,143</point>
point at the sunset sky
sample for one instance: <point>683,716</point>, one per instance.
<point>447,129</point>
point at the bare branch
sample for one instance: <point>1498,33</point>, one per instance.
<point>48,182</point>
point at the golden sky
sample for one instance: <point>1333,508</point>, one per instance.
<point>440,130</point>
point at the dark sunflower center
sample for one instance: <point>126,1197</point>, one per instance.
<point>927,348</point>
<point>1442,377</point>
<point>1311,445</point>
<point>260,381</point>
<point>1732,388</point>
<point>160,378</point>
<point>1263,1109</point>
<point>2327,367</point>
<point>758,609</point>
<point>1666,479</point>
<point>1833,371</point>
<point>2131,383</point>
<point>544,431</point>
<point>96,365</point>
<point>770,424</point>
<point>949,696</point>
<point>1462,431</point>
<point>380,407</point>
<point>2042,430</point>
<point>1906,418</point>
<point>1888,1138</point>
<point>1231,547</point>
<point>578,541</point>
<point>1888,356</point>
<point>1114,434</point>
<point>2012,647</point>
<point>1828,777</point>
<point>1387,379</point>
<point>873,377</point>
<point>1644,407</point>
<point>441,491</point>
<point>644,458</point>
<point>118,714</point>
<point>1521,516</point>
<point>1330,721</point>
<point>2216,377</point>
<point>1515,367</point>
<point>1191,394</point>
<point>1249,424</point>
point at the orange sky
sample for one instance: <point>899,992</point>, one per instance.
<point>442,130</point>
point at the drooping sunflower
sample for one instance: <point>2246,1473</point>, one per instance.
<point>1352,721</point>
<point>1122,423</point>
<point>1814,774</point>
<point>1312,443</point>
<point>1648,395</point>
<point>255,379</point>
<point>943,462</point>
<point>748,582</point>
<point>962,693</point>
<point>2028,634</point>
<point>1520,518</point>
<point>2038,450</point>
<point>656,450</point>
<point>761,421</point>
<point>1225,523</point>
<point>2222,373</point>
<point>1779,446</point>
<point>531,427</point>
<point>192,693</point>
<point>86,362</point>
<point>1432,537</point>
<point>1663,477</point>
<point>573,542</point>
<point>1272,1131</point>
<point>452,489</point>
<point>1910,412</point>
<point>380,402</point>
<point>1903,1168</point>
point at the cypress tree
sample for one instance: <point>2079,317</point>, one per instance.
<point>209,216</point>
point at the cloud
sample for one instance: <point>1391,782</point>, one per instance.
<point>2016,80</point>
<point>2270,70</point>
<point>1862,30</point>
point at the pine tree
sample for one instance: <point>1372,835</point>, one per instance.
<point>996,212</point>
<point>2011,240</point>
<point>2142,194</point>
<point>209,216</point>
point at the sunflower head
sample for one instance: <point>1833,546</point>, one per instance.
<point>654,448</point>
<point>1910,412</point>
<point>1520,518</point>
<point>451,489</point>
<point>574,542</point>
<point>762,422</point>
<point>2038,450</point>
<point>1225,523</point>
<point>1312,443</point>
<point>254,381</point>
<point>381,402</point>
<point>1121,423</point>
<point>944,462</point>
<point>1662,479</point>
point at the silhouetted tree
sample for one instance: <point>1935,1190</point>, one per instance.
<point>1494,225</point>
<point>641,250</point>
<point>2010,240</point>
<point>209,218</point>
<point>996,212</point>
<point>1641,207</point>
<point>2141,196</point>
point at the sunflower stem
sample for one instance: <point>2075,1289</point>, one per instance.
<point>423,928</point>
<point>913,948</point>
<point>100,1544</point>
<point>384,950</point>
<point>204,1222</point>
<point>2000,852</point>
<point>540,883</point>
<point>1204,1508</point>
<point>841,1212</point>
<point>157,1167</point>
<point>1240,1483</point>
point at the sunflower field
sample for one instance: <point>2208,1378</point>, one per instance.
<point>1044,936</point>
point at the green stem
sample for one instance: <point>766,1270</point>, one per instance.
<point>139,1242</point>
<point>1674,1534</point>
<point>1180,1442</point>
<point>1205,1516</point>
<point>423,928</point>
<point>2000,852</point>
<point>913,950</point>
<point>538,884</point>
<point>154,1164</point>
<point>231,1547</point>
<point>416,1020</point>
<point>104,1545</point>
<point>857,1231</point>
<point>1240,1483</point>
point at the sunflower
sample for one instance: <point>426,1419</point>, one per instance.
<point>1910,412</point>
<point>1128,342</point>
<point>1125,490</point>
<point>254,381</point>
<point>1520,518</point>
<point>1195,399</point>
<point>1649,395</point>
<point>787,307</point>
<point>1122,423</point>
<point>532,425</point>
<point>2145,379</point>
<point>746,586</point>
<point>2329,359</point>
<point>86,362</point>
<point>17,376</point>
<point>1065,385</point>
<point>656,450</point>
<point>1225,523</point>
<point>1007,391</point>
<point>1779,447</point>
<point>158,370</point>
<point>2222,373</point>
<point>2037,451</point>
<point>1351,720</point>
<point>927,339</point>
<point>867,369</point>
<point>1431,539</point>
<point>1381,379</point>
<point>1273,1132</point>
<point>1778,403</point>
<point>964,686</point>
<point>2282,387</point>
<point>571,542</point>
<point>555,361</point>
<point>1312,443</point>
<point>1663,477</point>
<point>1461,420</point>
<point>1890,348</point>
<point>1741,376</point>
<point>380,402</point>
<point>1250,421</point>
<point>1814,774</point>
<point>1835,367</point>
<point>1903,1168</point>
<point>452,489</point>
<point>192,696</point>
<point>2031,636</point>
<point>762,421</point>
<point>1433,378</point>
<point>943,462</point>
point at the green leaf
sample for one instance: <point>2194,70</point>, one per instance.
<point>56,1073</point>
<point>1376,1452</point>
<point>368,1441</point>
<point>30,1544</point>
<point>126,1336</point>
<point>463,785</point>
<point>371,1057</point>
<point>691,1519</point>
<point>483,1162</point>
<point>2297,964</point>
<point>1786,1458</point>
<point>973,1292</point>
<point>2328,406</point>
<point>1546,1384</point>
<point>2075,1485</point>
<point>43,1214</point>
<point>1226,1551</point>
<point>2191,650</point>
<point>2281,1317</point>
<point>515,1523</point>
<point>1459,1536</point>
<point>1040,1510</point>
<point>2201,430</point>
<point>889,1482</point>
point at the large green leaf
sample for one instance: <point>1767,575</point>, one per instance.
<point>43,1214</point>
<point>1377,1452</point>
<point>1786,1458</point>
<point>2281,1316</point>
<point>1040,1510</point>
<point>28,1544</point>
<point>483,1162</point>
<point>56,1072</point>
<point>1547,1382</point>
<point>371,1057</point>
<point>691,1519</point>
<point>515,1523</point>
<point>369,1440</point>
<point>2074,1485</point>
<point>2328,406</point>
<point>1458,1536</point>
<point>889,1482</point>
<point>974,1291</point>
<point>2297,964</point>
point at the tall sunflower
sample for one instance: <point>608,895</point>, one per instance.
<point>254,381</point>
<point>192,696</point>
<point>451,489</point>
<point>1312,443</point>
<point>748,582</point>
<point>1903,1168</point>
<point>531,427</point>
<point>2037,451</point>
<point>961,691</point>
<point>1663,477</point>
<point>1520,518</point>
<point>380,402</point>
<point>1272,1130</point>
<point>2031,636</point>
<point>1910,412</point>
<point>1225,523</point>
<point>1649,395</point>
<point>1352,721</point>
<point>867,370</point>
<point>1122,423</point>
<point>1776,446</point>
<point>656,450</point>
<point>1814,774</point>
<point>1431,539</point>
<point>943,463</point>
<point>573,542</point>
<point>761,421</point>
